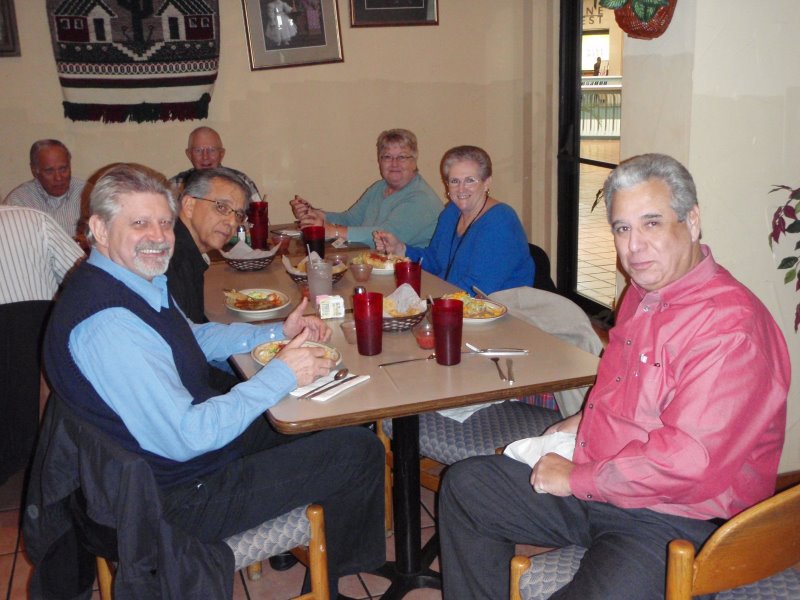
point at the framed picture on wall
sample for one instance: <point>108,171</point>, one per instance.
<point>292,33</point>
<point>9,40</point>
<point>384,13</point>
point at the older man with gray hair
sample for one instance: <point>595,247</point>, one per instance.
<point>53,189</point>
<point>122,357</point>
<point>683,429</point>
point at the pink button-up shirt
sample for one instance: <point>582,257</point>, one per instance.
<point>689,410</point>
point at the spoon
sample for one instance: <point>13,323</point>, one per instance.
<point>496,362</point>
<point>339,375</point>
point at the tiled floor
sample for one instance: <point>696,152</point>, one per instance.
<point>597,259</point>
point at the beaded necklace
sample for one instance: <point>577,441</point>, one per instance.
<point>453,253</point>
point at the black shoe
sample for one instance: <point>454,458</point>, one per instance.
<point>282,562</point>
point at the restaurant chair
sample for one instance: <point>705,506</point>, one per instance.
<point>754,556</point>
<point>542,280</point>
<point>88,497</point>
<point>301,531</point>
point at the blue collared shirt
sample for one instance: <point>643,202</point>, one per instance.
<point>131,368</point>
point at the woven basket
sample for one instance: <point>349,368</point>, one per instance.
<point>630,23</point>
<point>402,323</point>
<point>249,264</point>
<point>304,278</point>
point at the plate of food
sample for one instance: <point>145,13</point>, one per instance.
<point>263,353</point>
<point>255,302</point>
<point>382,264</point>
<point>294,233</point>
<point>478,310</point>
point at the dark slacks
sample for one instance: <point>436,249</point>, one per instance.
<point>487,505</point>
<point>340,469</point>
<point>21,330</point>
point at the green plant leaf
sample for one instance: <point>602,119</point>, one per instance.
<point>793,227</point>
<point>613,4</point>
<point>790,276</point>
<point>646,9</point>
<point>788,262</point>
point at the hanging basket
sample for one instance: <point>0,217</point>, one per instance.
<point>630,23</point>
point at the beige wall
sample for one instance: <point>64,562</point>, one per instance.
<point>719,91</point>
<point>311,130</point>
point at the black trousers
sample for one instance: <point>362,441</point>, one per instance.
<point>340,469</point>
<point>21,330</point>
<point>487,505</point>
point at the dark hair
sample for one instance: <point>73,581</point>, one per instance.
<point>199,182</point>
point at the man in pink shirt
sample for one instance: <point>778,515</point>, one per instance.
<point>683,429</point>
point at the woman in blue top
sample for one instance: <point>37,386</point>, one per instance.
<point>478,241</point>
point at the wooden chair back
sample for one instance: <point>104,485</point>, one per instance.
<point>757,543</point>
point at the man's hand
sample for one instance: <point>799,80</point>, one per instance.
<point>318,330</point>
<point>308,363</point>
<point>551,475</point>
<point>568,425</point>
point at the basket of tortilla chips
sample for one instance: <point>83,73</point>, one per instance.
<point>402,309</point>
<point>299,274</point>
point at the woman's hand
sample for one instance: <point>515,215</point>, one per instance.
<point>307,363</point>
<point>296,323</point>
<point>387,243</point>
<point>300,206</point>
<point>313,217</point>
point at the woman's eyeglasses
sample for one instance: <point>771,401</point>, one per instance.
<point>468,182</point>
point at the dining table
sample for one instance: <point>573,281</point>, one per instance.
<point>403,391</point>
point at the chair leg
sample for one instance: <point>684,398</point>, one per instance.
<point>105,577</point>
<point>317,554</point>
<point>254,571</point>
<point>387,480</point>
<point>519,564</point>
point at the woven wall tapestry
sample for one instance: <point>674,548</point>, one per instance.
<point>135,60</point>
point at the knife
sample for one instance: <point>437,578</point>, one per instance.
<point>500,352</point>
<point>327,387</point>
<point>479,293</point>
<point>510,369</point>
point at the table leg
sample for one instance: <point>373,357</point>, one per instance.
<point>407,572</point>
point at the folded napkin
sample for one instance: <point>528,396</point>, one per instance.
<point>242,251</point>
<point>325,396</point>
<point>462,413</point>
<point>530,450</point>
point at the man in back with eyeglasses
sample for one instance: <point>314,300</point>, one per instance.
<point>205,151</point>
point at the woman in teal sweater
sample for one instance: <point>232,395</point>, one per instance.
<point>478,240</point>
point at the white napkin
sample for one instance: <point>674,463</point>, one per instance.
<point>325,396</point>
<point>242,251</point>
<point>462,413</point>
<point>530,450</point>
<point>405,301</point>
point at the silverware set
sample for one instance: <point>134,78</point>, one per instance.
<point>509,369</point>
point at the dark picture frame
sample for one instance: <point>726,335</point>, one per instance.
<point>388,13</point>
<point>292,33</point>
<point>9,37</point>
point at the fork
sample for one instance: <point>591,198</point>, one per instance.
<point>510,369</point>
<point>496,362</point>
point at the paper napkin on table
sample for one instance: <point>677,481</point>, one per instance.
<point>325,396</point>
<point>242,251</point>
<point>530,450</point>
<point>462,413</point>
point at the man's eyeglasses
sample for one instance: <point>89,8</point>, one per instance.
<point>467,181</point>
<point>211,150</point>
<point>224,209</point>
<point>401,158</point>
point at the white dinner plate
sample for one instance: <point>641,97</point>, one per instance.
<point>259,292</point>
<point>294,233</point>
<point>488,319</point>
<point>263,353</point>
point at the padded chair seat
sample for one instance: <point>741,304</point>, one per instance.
<point>448,441</point>
<point>551,571</point>
<point>273,537</point>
